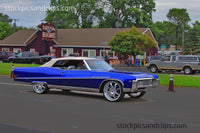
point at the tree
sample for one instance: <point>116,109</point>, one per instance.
<point>165,33</point>
<point>76,13</point>
<point>5,30</point>
<point>128,13</point>
<point>192,45</point>
<point>5,18</point>
<point>102,13</point>
<point>131,42</point>
<point>180,18</point>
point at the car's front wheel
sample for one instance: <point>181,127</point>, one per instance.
<point>113,91</point>
<point>40,88</point>
<point>136,94</point>
<point>153,68</point>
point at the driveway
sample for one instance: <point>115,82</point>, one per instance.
<point>23,111</point>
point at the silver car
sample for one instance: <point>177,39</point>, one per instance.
<point>189,64</point>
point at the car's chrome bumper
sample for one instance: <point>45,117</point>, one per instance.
<point>142,84</point>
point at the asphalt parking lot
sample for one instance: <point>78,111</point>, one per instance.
<point>23,111</point>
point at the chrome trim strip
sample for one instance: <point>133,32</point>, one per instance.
<point>74,88</point>
<point>112,80</point>
<point>93,77</point>
<point>87,65</point>
<point>135,88</point>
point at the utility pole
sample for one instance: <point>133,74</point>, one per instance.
<point>14,24</point>
<point>183,31</point>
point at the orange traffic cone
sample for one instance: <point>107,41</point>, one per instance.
<point>12,72</point>
<point>171,83</point>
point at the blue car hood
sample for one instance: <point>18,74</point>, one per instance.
<point>136,74</point>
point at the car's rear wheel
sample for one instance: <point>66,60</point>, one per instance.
<point>187,70</point>
<point>136,94</point>
<point>153,68</point>
<point>40,88</point>
<point>113,91</point>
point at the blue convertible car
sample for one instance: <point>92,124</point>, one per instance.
<point>86,74</point>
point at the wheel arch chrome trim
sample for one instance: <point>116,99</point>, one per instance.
<point>110,79</point>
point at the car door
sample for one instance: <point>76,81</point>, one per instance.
<point>76,78</point>
<point>174,64</point>
<point>165,63</point>
<point>73,73</point>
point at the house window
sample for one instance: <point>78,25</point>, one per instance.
<point>89,53</point>
<point>52,51</point>
<point>85,53</point>
<point>32,50</point>
<point>5,49</point>
<point>17,50</point>
<point>67,51</point>
<point>109,52</point>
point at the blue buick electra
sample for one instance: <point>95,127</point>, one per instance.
<point>86,74</point>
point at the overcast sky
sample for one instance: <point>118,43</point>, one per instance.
<point>30,12</point>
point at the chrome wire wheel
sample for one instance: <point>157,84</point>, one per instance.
<point>40,88</point>
<point>136,94</point>
<point>113,91</point>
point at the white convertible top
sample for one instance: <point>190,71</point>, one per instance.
<point>52,61</point>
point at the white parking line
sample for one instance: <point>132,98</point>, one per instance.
<point>3,83</point>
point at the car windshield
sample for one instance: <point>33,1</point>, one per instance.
<point>98,64</point>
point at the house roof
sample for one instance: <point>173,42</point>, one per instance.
<point>88,37</point>
<point>97,37</point>
<point>18,38</point>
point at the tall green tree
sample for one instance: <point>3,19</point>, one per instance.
<point>131,42</point>
<point>5,30</point>
<point>165,33</point>
<point>102,13</point>
<point>74,13</point>
<point>192,42</point>
<point>128,13</point>
<point>180,18</point>
<point>5,18</point>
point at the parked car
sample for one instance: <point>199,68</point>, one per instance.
<point>86,74</point>
<point>5,55</point>
<point>189,64</point>
<point>30,58</point>
<point>74,54</point>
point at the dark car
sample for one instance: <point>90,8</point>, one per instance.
<point>30,58</point>
<point>5,55</point>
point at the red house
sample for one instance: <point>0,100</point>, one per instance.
<point>85,42</point>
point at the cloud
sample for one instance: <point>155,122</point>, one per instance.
<point>28,12</point>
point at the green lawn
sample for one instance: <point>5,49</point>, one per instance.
<point>179,80</point>
<point>5,68</point>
